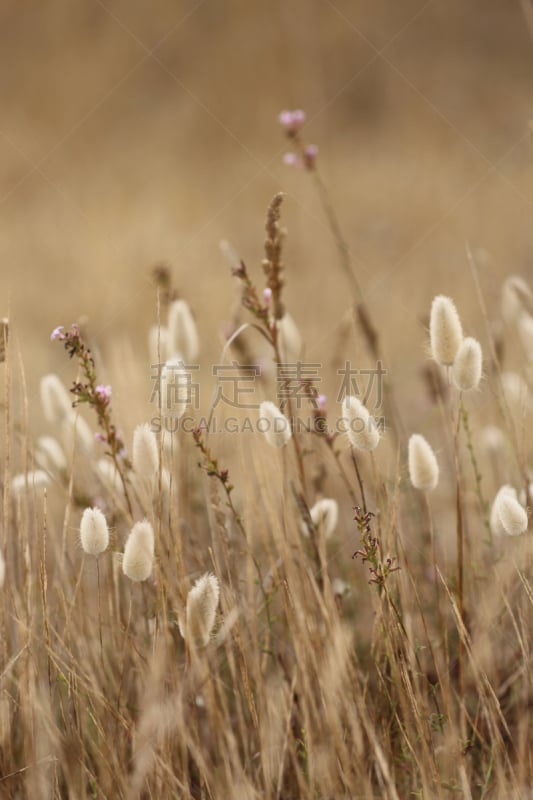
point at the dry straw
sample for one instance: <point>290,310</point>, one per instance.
<point>201,610</point>
<point>4,336</point>
<point>145,453</point>
<point>182,332</point>
<point>274,424</point>
<point>445,330</point>
<point>422,463</point>
<point>94,533</point>
<point>361,427</point>
<point>137,562</point>
<point>158,344</point>
<point>467,366</point>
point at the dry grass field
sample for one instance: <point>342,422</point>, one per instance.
<point>265,488</point>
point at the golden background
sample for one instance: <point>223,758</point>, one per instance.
<point>138,133</point>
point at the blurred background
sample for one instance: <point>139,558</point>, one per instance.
<point>136,133</point>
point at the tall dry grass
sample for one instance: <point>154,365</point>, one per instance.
<point>387,657</point>
<point>307,624</point>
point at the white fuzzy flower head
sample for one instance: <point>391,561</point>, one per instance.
<point>274,424</point>
<point>182,332</point>
<point>109,475</point>
<point>361,427</point>
<point>422,463</point>
<point>36,480</point>
<point>145,454</point>
<point>339,587</point>
<point>492,439</point>
<point>516,298</point>
<point>138,559</point>
<point>325,514</point>
<point>55,400</point>
<point>94,533</point>
<point>201,611</point>
<point>445,330</point>
<point>516,393</point>
<point>76,434</point>
<point>467,366</point>
<point>158,344</point>
<point>495,521</point>
<point>175,388</point>
<point>49,454</point>
<point>289,339</point>
<point>507,515</point>
<point>525,331</point>
<point>230,254</point>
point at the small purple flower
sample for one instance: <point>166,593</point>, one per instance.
<point>292,121</point>
<point>321,399</point>
<point>103,392</point>
<point>310,154</point>
<point>267,296</point>
<point>292,160</point>
<point>99,437</point>
<point>57,333</point>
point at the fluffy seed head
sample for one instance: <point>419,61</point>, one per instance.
<point>109,475</point>
<point>507,515</point>
<point>512,516</point>
<point>495,521</point>
<point>230,254</point>
<point>289,339</point>
<point>339,587</point>
<point>182,332</point>
<point>422,462</point>
<point>361,427</point>
<point>274,424</point>
<point>56,402</point>
<point>445,331</point>
<point>325,514</point>
<point>202,602</point>
<point>516,393</point>
<point>525,331</point>
<point>175,388</point>
<point>467,365</point>
<point>94,533</point>
<point>492,439</point>
<point>76,433</point>
<point>516,298</point>
<point>145,452</point>
<point>137,562</point>
<point>49,454</point>
<point>38,479</point>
